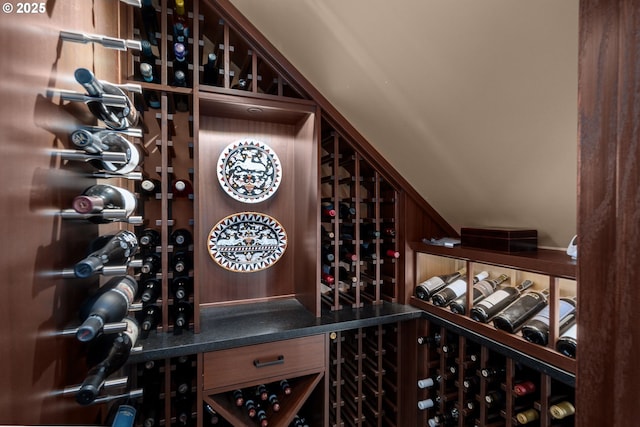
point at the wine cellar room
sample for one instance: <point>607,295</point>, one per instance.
<point>308,213</point>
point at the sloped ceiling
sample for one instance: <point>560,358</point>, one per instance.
<point>474,102</point>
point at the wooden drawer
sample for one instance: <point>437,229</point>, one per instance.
<point>245,366</point>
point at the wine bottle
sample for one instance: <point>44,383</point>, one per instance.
<point>110,304</point>
<point>536,330</point>
<point>105,142</point>
<point>457,288</point>
<point>180,22</point>
<point>327,253</point>
<point>150,264</point>
<point>261,415</point>
<point>447,419</point>
<point>125,416</point>
<point>181,287</point>
<point>346,211</point>
<point>514,316</point>
<point>99,197</point>
<point>494,398</point>
<point>210,74</point>
<point>343,274</point>
<point>181,101</point>
<point>527,416</point>
<point>493,372</point>
<point>261,392</point>
<point>147,56</point>
<point>183,310</point>
<point>150,187</point>
<point>326,234</point>
<point>285,387</point>
<point>181,238</point>
<point>150,21</point>
<point>150,318</point>
<point>368,231</point>
<point>429,287</point>
<point>274,402</point>
<point>117,114</point>
<point>433,340</point>
<point>471,383</point>
<point>181,262</point>
<point>183,406</point>
<point>567,343</point>
<point>426,404</point>
<point>112,351</point>
<point>149,240</point>
<point>211,416</point>
<point>488,307</point>
<point>481,290</point>
<point>238,397</point>
<point>150,96</point>
<point>182,188</point>
<point>327,211</point>
<point>562,410</point>
<point>151,290</point>
<point>524,388</point>
<point>250,407</point>
<point>117,251</point>
<point>180,60</point>
<point>348,254</point>
<point>429,382</point>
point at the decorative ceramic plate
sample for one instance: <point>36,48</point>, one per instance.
<point>249,171</point>
<point>246,242</point>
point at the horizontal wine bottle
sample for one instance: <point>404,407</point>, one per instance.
<point>519,311</point>
<point>429,287</point>
<point>482,289</point>
<point>150,318</point>
<point>536,330</point>
<point>429,382</point>
<point>107,142</point>
<point>112,351</point>
<point>149,240</point>
<point>150,264</point>
<point>567,343</point>
<point>110,304</point>
<point>151,290</point>
<point>527,416</point>
<point>99,197</point>
<point>562,410</point>
<point>429,340</point>
<point>116,250</point>
<point>455,289</point>
<point>488,307</point>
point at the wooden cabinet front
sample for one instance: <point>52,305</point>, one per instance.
<point>245,366</point>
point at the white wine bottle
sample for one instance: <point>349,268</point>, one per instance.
<point>429,287</point>
<point>497,301</point>
<point>456,289</point>
<point>481,290</point>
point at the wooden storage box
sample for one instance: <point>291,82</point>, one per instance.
<point>500,239</point>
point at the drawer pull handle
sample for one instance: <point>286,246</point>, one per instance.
<point>258,364</point>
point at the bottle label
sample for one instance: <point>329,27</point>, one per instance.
<point>493,299</point>
<point>572,332</point>
<point>565,308</point>
<point>433,283</point>
<point>126,290</point>
<point>459,287</point>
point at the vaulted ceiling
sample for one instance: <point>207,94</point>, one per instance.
<point>473,102</point>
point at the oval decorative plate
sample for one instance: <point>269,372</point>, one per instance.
<point>249,171</point>
<point>247,242</point>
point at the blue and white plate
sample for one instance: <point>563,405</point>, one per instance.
<point>246,242</point>
<point>249,171</point>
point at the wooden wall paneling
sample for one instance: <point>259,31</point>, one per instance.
<point>608,374</point>
<point>36,243</point>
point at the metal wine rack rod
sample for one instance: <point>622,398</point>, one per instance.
<point>106,41</point>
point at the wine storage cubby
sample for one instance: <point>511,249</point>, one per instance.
<point>363,377</point>
<point>358,228</point>
<point>464,382</point>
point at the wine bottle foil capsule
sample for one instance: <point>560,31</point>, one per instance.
<point>87,204</point>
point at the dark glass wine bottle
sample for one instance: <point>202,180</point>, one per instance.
<point>110,353</point>
<point>250,407</point>
<point>519,311</point>
<point>481,290</point>
<point>346,211</point>
<point>433,340</point>
<point>117,251</point>
<point>210,74</point>
<point>182,188</point>
<point>150,21</point>
<point>149,240</point>
<point>181,100</point>
<point>180,22</point>
<point>274,402</point>
<point>181,238</point>
<point>109,305</point>
<point>261,415</point>
<point>326,234</point>
<point>183,310</point>
<point>150,96</point>
<point>327,253</point>
<point>117,117</point>
<point>211,417</point>
<point>99,197</point>
<point>493,373</point>
<point>348,254</point>
<point>181,262</point>
<point>150,318</point>
<point>261,392</point>
<point>150,264</point>
<point>494,398</point>
<point>536,330</point>
<point>183,407</point>
<point>180,59</point>
<point>471,383</point>
<point>567,343</point>
<point>327,210</point>
<point>181,287</point>
<point>457,288</point>
<point>150,187</point>
<point>285,387</point>
<point>524,388</point>
<point>104,143</point>
<point>238,397</point>
<point>488,307</point>
<point>151,290</point>
<point>429,382</point>
<point>429,287</point>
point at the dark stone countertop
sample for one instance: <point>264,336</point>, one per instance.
<point>247,324</point>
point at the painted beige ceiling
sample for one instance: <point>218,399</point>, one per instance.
<point>474,102</point>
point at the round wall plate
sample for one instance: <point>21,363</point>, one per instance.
<point>249,171</point>
<point>246,242</point>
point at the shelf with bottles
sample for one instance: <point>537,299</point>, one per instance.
<point>546,279</point>
<point>462,381</point>
<point>152,376</point>
<point>231,63</point>
<point>363,379</point>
